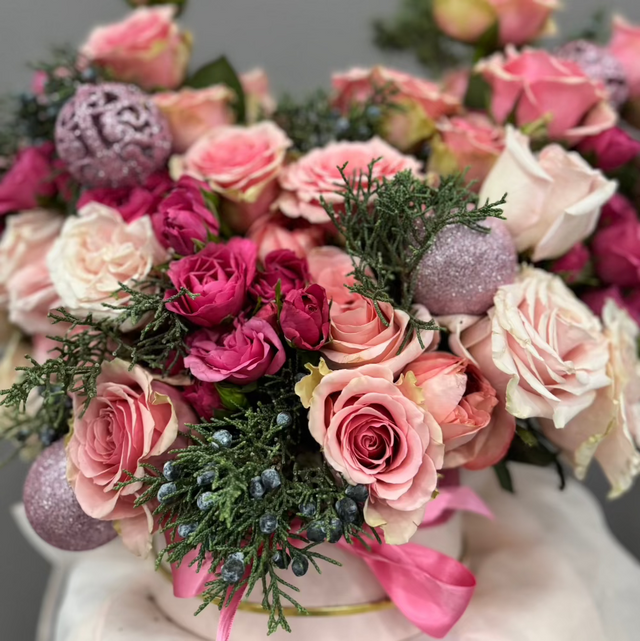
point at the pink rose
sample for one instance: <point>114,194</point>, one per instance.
<point>242,355</point>
<point>373,434</point>
<point>617,254</point>
<point>462,401</point>
<point>280,266</point>
<point>542,88</point>
<point>275,231</point>
<point>317,176</point>
<point>332,268</point>
<point>191,113</point>
<point>132,420</point>
<point>204,399</point>
<point>183,217</point>
<point>470,142</point>
<point>29,179</point>
<point>241,164</point>
<point>220,275</point>
<point>259,103</point>
<point>573,264</point>
<point>421,102</point>
<point>456,83</point>
<point>146,48</point>
<point>304,317</point>
<point>618,209</point>
<point>359,336</point>
<point>625,46</point>
<point>131,202</point>
<point>612,148</point>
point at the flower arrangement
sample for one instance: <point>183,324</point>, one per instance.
<point>259,326</point>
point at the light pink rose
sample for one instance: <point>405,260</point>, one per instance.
<point>241,164</point>
<point>359,337</point>
<point>316,175</point>
<point>373,433</point>
<point>543,89</point>
<point>610,430</point>
<point>470,142</point>
<point>191,113</point>
<point>421,102</point>
<point>462,401</point>
<point>331,267</point>
<point>259,103</point>
<point>625,46</point>
<point>553,200</point>
<point>132,420</point>
<point>146,48</point>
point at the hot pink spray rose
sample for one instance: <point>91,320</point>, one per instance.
<point>332,268</point>
<point>191,113</point>
<point>373,433</point>
<point>280,266</point>
<point>617,253</point>
<point>612,148</point>
<point>183,218</point>
<point>617,210</point>
<point>146,48</point>
<point>220,275</point>
<point>541,87</point>
<point>573,264</point>
<point>132,420</point>
<point>204,399</point>
<point>304,317</point>
<point>241,355</point>
<point>316,175</point>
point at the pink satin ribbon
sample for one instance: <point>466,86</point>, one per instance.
<point>431,589</point>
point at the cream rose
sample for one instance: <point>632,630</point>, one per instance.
<point>553,200</point>
<point>96,251</point>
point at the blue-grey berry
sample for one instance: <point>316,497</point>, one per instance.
<point>342,125</point>
<point>256,488</point>
<point>187,529</point>
<point>238,556</point>
<point>171,471</point>
<point>308,510</point>
<point>232,570</point>
<point>48,437</point>
<point>300,565</point>
<point>373,112</point>
<point>268,523</point>
<point>271,479</point>
<point>206,501</point>
<point>166,492</point>
<point>281,560</point>
<point>359,493</point>
<point>222,438</point>
<point>316,532</point>
<point>335,530</point>
<point>347,510</point>
<point>206,478</point>
<point>284,419</point>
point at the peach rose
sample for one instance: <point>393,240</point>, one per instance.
<point>331,267</point>
<point>146,48</point>
<point>96,251</point>
<point>191,113</point>
<point>610,430</point>
<point>374,434</point>
<point>469,142</point>
<point>259,103</point>
<point>359,337</point>
<point>543,89</point>
<point>463,401</point>
<point>553,200</point>
<point>421,102</point>
<point>132,420</point>
<point>625,46</point>
<point>316,175</point>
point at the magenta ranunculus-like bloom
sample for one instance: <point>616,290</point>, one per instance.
<point>284,267</point>
<point>243,355</point>
<point>572,265</point>
<point>619,209</point>
<point>305,317</point>
<point>183,217</point>
<point>204,399</point>
<point>612,148</point>
<point>220,275</point>
<point>617,253</point>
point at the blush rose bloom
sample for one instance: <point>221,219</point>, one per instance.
<point>359,337</point>
<point>191,113</point>
<point>625,46</point>
<point>146,48</point>
<point>470,142</point>
<point>553,200</point>
<point>462,401</point>
<point>421,102</point>
<point>259,103</point>
<point>96,251</point>
<point>132,420</point>
<point>332,268</point>
<point>316,175</point>
<point>374,433</point>
<point>543,88</point>
<point>610,431</point>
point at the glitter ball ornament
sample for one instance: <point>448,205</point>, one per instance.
<point>463,270</point>
<point>597,63</point>
<point>53,510</point>
<point>112,135</point>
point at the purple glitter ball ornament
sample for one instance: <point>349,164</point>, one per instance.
<point>53,510</point>
<point>112,135</point>
<point>463,270</point>
<point>597,63</point>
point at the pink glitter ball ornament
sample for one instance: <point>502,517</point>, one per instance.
<point>112,135</point>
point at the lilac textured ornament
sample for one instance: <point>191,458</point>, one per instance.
<point>112,135</point>
<point>463,270</point>
<point>53,510</point>
<point>597,63</point>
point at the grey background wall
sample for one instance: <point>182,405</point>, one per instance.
<point>299,43</point>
